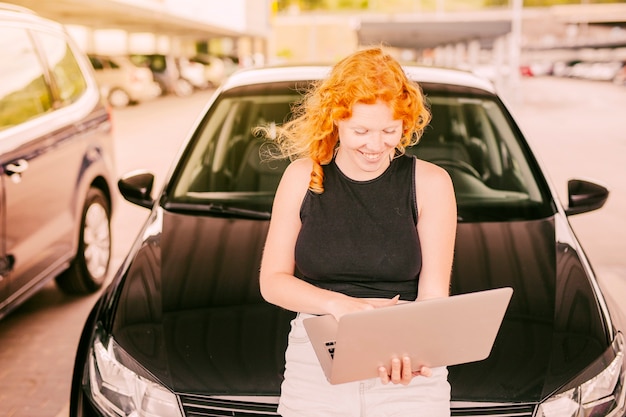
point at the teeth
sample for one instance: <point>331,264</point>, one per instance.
<point>371,156</point>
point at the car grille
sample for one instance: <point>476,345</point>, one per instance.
<point>492,410</point>
<point>199,406</point>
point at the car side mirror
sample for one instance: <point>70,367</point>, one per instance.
<point>136,187</point>
<point>584,196</point>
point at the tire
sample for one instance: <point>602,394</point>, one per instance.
<point>119,98</point>
<point>90,266</point>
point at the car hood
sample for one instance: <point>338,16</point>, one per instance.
<point>190,314</point>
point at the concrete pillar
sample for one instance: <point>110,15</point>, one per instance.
<point>449,56</point>
<point>460,55</point>
<point>498,62</point>
<point>244,51</point>
<point>141,43</point>
<point>473,53</point>
<point>162,44</point>
<point>83,36</point>
<point>259,51</point>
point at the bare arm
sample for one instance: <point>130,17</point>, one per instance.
<point>437,229</point>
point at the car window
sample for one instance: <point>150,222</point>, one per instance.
<point>67,74</point>
<point>471,136</point>
<point>229,163</point>
<point>96,63</point>
<point>24,94</point>
<point>474,139</point>
<point>113,64</point>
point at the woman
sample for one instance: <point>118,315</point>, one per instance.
<point>364,225</point>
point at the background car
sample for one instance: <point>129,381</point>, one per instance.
<point>183,330</point>
<point>166,73</point>
<point>56,162</point>
<point>122,81</point>
<point>194,72</point>
<point>216,69</point>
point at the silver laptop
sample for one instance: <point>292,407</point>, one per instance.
<point>437,332</point>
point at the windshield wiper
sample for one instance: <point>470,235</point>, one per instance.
<point>218,210</point>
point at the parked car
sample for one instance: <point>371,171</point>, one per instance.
<point>194,72</point>
<point>56,162</point>
<point>166,73</point>
<point>216,69</point>
<point>597,71</point>
<point>183,330</point>
<point>565,68</point>
<point>122,81</point>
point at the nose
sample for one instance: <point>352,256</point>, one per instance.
<point>381,142</point>
<point>377,143</point>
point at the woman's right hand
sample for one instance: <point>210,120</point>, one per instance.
<point>348,305</point>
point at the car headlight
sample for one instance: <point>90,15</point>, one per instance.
<point>120,392</point>
<point>602,395</point>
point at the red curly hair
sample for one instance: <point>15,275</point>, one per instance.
<point>363,77</point>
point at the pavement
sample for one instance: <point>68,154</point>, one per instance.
<point>36,356</point>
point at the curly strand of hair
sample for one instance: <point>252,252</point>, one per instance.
<point>317,178</point>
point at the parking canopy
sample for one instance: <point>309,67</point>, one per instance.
<point>432,33</point>
<point>131,16</point>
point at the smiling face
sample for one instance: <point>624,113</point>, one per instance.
<point>367,140</point>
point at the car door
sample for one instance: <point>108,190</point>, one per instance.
<point>38,162</point>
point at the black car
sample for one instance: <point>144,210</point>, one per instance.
<point>56,162</point>
<point>183,330</point>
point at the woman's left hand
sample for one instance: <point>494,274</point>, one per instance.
<point>401,372</point>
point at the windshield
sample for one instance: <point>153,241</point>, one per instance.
<point>229,170</point>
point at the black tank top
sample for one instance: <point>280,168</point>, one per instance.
<point>360,237</point>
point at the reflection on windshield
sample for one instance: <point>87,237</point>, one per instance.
<point>472,138</point>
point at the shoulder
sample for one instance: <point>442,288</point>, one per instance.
<point>295,181</point>
<point>298,171</point>
<point>429,173</point>
<point>432,183</point>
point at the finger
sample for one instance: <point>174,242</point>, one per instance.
<point>396,366</point>
<point>407,373</point>
<point>383,375</point>
<point>423,371</point>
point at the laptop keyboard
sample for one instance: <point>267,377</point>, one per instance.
<point>331,348</point>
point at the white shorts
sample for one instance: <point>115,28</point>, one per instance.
<point>305,392</point>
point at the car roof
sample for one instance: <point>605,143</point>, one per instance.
<point>421,74</point>
<point>21,15</point>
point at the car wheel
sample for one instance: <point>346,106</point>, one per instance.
<point>91,264</point>
<point>119,98</point>
<point>183,88</point>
